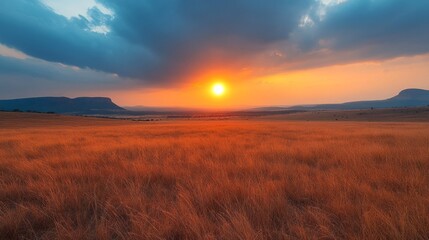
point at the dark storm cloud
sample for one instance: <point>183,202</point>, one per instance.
<point>192,34</point>
<point>152,40</point>
<point>165,41</point>
<point>373,29</point>
<point>32,28</point>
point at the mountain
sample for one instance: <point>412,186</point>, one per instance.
<point>406,98</point>
<point>105,106</point>
<point>80,105</point>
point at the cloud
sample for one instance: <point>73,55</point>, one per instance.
<point>157,41</point>
<point>191,36</point>
<point>35,30</point>
<point>373,29</point>
<point>9,52</point>
<point>165,42</point>
<point>33,77</point>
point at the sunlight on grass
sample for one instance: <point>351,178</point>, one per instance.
<point>215,180</point>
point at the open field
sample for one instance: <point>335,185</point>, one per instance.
<point>417,114</point>
<point>84,178</point>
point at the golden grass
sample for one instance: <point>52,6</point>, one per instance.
<point>212,179</point>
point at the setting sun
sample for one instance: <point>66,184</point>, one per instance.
<point>214,119</point>
<point>218,89</point>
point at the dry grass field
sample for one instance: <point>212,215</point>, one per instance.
<point>82,178</point>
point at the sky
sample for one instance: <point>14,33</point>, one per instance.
<point>170,52</point>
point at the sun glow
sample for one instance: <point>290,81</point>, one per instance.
<point>218,89</point>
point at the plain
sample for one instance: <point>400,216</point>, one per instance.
<point>84,178</point>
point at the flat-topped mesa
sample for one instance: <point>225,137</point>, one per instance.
<point>413,93</point>
<point>78,105</point>
<point>407,98</point>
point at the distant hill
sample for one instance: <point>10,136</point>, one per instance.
<point>80,105</point>
<point>406,98</point>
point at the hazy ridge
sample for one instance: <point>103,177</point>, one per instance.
<point>408,98</point>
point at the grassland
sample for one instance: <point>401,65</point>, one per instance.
<point>416,114</point>
<point>82,178</point>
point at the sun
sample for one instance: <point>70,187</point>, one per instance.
<point>218,89</point>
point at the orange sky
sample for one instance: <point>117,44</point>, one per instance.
<point>359,81</point>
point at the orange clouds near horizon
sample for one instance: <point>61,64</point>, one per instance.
<point>340,83</point>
